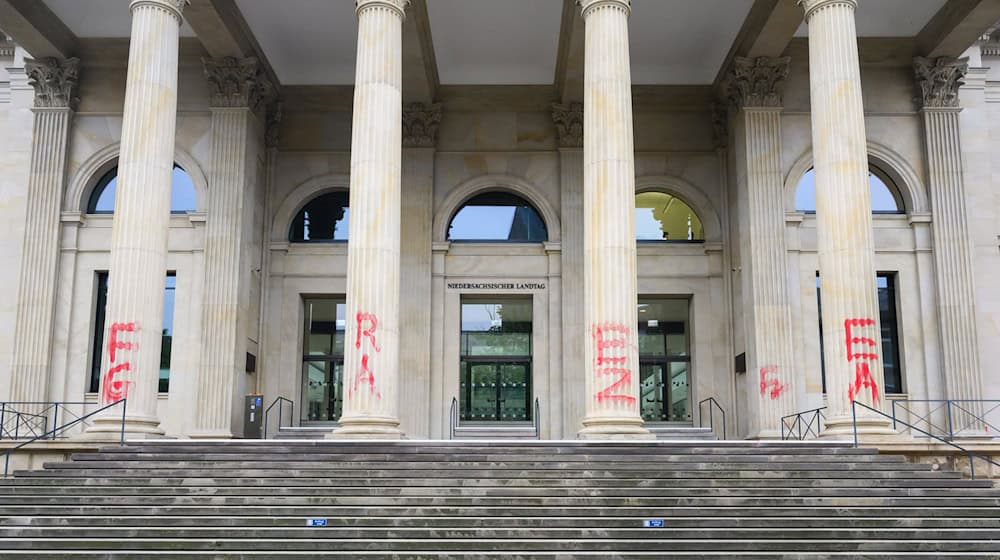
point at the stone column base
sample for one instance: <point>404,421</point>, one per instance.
<point>614,428</point>
<point>209,434</point>
<point>109,428</point>
<point>367,428</point>
<point>869,429</point>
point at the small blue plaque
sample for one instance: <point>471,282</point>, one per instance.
<point>316,522</point>
<point>653,523</point>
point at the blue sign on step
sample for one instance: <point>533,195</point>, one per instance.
<point>653,523</point>
<point>316,522</point>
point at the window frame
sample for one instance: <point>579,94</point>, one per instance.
<point>873,170</point>
<point>301,213</point>
<point>97,191</point>
<point>683,201</point>
<point>517,201</point>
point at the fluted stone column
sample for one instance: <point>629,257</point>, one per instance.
<point>754,88</point>
<point>371,349</point>
<point>137,274</point>
<point>609,262</point>
<point>420,124</point>
<point>939,81</point>
<point>852,339</point>
<point>238,91</point>
<point>568,120</point>
<point>55,89</point>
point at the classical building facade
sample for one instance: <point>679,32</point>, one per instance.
<point>592,218</point>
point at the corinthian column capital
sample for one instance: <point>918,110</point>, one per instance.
<point>420,125</point>
<point>939,80</point>
<point>588,6</point>
<point>173,7</point>
<point>757,82</point>
<point>398,6</point>
<point>813,6</point>
<point>568,119</point>
<point>54,81</point>
<point>237,82</point>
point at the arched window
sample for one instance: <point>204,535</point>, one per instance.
<point>323,219</point>
<point>885,195</point>
<point>498,217</point>
<point>182,195</point>
<point>664,217</point>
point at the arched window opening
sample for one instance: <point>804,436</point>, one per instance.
<point>183,197</point>
<point>324,219</point>
<point>664,217</point>
<point>498,217</point>
<point>885,195</point>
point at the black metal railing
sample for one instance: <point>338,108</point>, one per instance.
<point>455,419</point>
<point>280,401</point>
<point>895,421</point>
<point>58,429</point>
<point>951,418</point>
<point>803,425</point>
<point>713,406</point>
<point>29,419</point>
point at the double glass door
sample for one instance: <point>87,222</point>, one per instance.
<point>495,367</point>
<point>496,391</point>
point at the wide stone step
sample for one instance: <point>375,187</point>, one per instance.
<point>494,457</point>
<point>946,480</point>
<point>445,555</point>
<point>832,509</point>
<point>13,492</point>
<point>636,533</point>
<point>824,473</point>
<point>511,545</point>
<point>676,522</point>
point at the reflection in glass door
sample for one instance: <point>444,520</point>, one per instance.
<point>664,360</point>
<point>495,373</point>
<point>323,360</point>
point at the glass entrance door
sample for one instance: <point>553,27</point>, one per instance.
<point>495,367</point>
<point>664,360</point>
<point>323,360</point>
<point>496,391</point>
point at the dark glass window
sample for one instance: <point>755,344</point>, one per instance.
<point>495,365</point>
<point>889,321</point>
<point>664,360</point>
<point>664,217</point>
<point>498,216</point>
<point>97,350</point>
<point>183,197</point>
<point>323,359</point>
<point>885,195</point>
<point>324,219</point>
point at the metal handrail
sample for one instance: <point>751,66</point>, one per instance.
<point>951,405</point>
<point>713,405</point>
<point>537,420</point>
<point>796,427</point>
<point>280,402</point>
<point>453,421</point>
<point>8,410</point>
<point>971,454</point>
<point>75,421</point>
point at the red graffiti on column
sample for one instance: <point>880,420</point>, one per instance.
<point>365,372</point>
<point>863,378</point>
<point>112,388</point>
<point>607,338</point>
<point>775,385</point>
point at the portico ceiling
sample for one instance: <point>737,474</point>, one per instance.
<point>496,42</point>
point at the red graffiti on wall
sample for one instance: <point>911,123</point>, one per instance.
<point>863,378</point>
<point>609,337</point>
<point>775,385</point>
<point>112,388</point>
<point>365,373</point>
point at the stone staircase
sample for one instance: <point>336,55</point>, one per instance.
<point>488,432</point>
<point>409,500</point>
